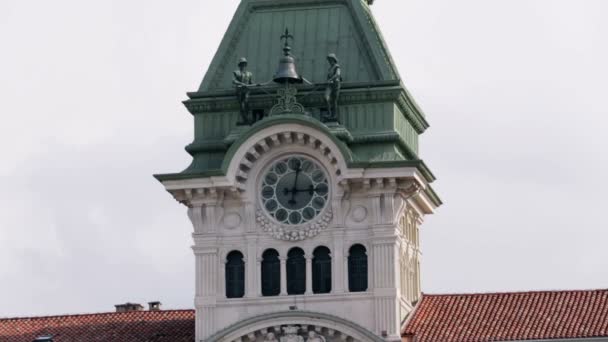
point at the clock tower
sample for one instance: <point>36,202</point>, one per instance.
<point>306,190</point>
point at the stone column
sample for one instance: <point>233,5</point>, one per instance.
<point>309,274</point>
<point>337,263</point>
<point>250,268</point>
<point>283,276</point>
<point>222,279</point>
<point>258,275</point>
<point>345,273</point>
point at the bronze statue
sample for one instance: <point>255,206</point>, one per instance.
<point>332,91</point>
<point>243,80</point>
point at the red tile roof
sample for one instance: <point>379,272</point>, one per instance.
<point>510,316</point>
<point>136,326</point>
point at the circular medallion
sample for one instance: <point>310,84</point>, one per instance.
<point>294,190</point>
<point>232,220</point>
<point>359,214</point>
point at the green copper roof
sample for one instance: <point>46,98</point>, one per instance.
<point>379,121</point>
<point>319,27</point>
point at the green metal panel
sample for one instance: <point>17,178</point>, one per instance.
<point>367,118</point>
<point>215,125</point>
<point>380,121</point>
<point>406,130</point>
<point>377,152</point>
<point>343,27</point>
<point>206,161</point>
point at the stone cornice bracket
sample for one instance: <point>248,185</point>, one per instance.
<point>409,188</point>
<point>197,197</point>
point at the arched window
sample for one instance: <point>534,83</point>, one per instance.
<point>271,273</point>
<point>296,272</point>
<point>235,275</point>
<point>357,269</point>
<point>321,270</point>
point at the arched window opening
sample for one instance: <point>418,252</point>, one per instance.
<point>357,269</point>
<point>235,275</point>
<point>271,273</point>
<point>296,272</point>
<point>321,270</point>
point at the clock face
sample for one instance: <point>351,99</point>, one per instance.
<point>294,190</point>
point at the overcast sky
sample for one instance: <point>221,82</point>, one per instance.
<point>90,91</point>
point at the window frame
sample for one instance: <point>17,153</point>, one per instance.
<point>271,273</point>
<point>321,270</point>
<point>358,268</point>
<point>235,275</point>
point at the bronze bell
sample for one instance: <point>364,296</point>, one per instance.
<point>286,73</point>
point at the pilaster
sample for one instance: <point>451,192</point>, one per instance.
<point>283,260</point>
<point>258,277</point>
<point>337,261</point>
<point>251,268</point>
<point>309,274</point>
<point>206,265</point>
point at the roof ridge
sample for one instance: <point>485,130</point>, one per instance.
<point>108,313</point>
<point>511,292</point>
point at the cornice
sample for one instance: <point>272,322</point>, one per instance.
<point>352,93</point>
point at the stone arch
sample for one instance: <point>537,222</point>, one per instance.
<point>331,327</point>
<point>226,251</point>
<point>301,131</point>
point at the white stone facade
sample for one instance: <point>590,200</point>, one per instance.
<point>381,209</point>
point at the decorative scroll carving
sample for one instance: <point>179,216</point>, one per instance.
<point>287,102</point>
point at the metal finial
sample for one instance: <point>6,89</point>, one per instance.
<point>286,47</point>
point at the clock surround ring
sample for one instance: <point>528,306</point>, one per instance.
<point>293,197</point>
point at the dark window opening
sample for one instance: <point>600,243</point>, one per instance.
<point>235,275</point>
<point>357,269</point>
<point>296,272</point>
<point>321,270</point>
<point>271,273</point>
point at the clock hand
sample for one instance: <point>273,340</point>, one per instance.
<point>292,201</point>
<point>310,189</point>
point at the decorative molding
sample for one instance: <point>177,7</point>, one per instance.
<point>232,220</point>
<point>359,214</point>
<point>321,323</point>
<point>287,102</point>
<point>294,233</point>
<point>266,144</point>
<point>351,93</point>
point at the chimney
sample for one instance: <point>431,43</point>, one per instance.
<point>127,307</point>
<point>154,306</point>
<point>409,338</point>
